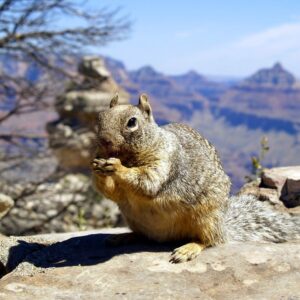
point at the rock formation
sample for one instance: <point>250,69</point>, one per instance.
<point>63,199</point>
<point>72,135</point>
<point>278,186</point>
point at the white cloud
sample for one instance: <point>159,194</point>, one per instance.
<point>251,52</point>
<point>284,37</point>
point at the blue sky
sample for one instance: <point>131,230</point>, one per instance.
<point>213,37</point>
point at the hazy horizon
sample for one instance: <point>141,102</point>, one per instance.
<point>215,77</point>
<point>216,38</point>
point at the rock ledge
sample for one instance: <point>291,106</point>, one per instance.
<point>80,266</point>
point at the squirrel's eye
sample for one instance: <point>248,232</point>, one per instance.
<point>132,122</point>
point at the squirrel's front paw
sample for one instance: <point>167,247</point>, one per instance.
<point>98,164</point>
<point>186,252</point>
<point>106,166</point>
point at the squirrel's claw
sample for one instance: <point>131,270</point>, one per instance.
<point>97,164</point>
<point>186,252</point>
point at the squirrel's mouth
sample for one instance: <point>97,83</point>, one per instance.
<point>109,151</point>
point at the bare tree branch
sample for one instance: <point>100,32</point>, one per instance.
<point>32,35</point>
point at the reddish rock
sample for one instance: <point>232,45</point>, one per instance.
<point>286,180</point>
<point>263,194</point>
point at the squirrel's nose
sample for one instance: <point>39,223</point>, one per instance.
<point>105,142</point>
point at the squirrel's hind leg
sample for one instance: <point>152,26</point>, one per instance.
<point>186,252</point>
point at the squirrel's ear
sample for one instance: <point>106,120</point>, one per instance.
<point>145,107</point>
<point>114,100</point>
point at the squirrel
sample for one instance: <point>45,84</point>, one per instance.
<point>170,185</point>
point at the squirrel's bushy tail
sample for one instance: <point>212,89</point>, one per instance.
<point>248,219</point>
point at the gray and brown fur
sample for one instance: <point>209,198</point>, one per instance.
<point>170,185</point>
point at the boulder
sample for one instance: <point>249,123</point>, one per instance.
<point>280,187</point>
<point>268,195</point>
<point>80,266</point>
<point>286,181</point>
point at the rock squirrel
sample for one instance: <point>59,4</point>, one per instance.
<point>170,185</point>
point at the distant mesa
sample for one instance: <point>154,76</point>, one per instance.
<point>145,73</point>
<point>275,77</point>
<point>147,70</point>
<point>191,77</point>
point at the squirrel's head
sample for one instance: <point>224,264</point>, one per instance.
<point>125,130</point>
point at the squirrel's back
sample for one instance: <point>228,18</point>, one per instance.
<point>198,164</point>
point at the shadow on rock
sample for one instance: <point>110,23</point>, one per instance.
<point>76,251</point>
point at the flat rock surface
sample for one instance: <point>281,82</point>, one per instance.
<point>80,266</point>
